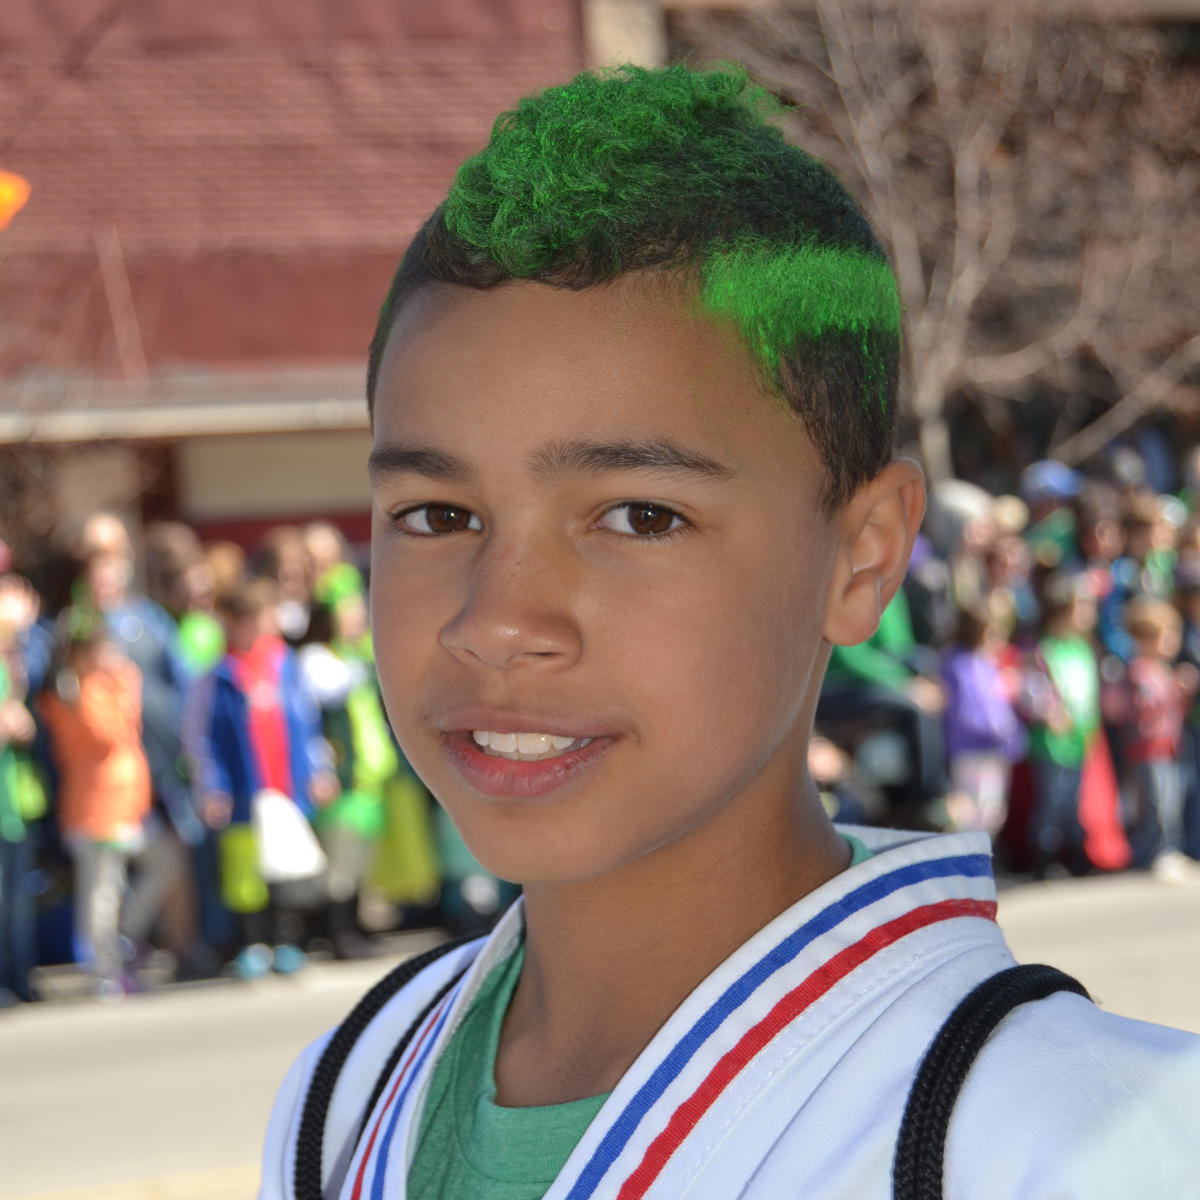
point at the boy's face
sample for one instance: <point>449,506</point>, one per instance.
<point>589,522</point>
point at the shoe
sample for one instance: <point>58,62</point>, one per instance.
<point>350,945</point>
<point>289,959</point>
<point>200,962</point>
<point>109,991</point>
<point>1171,867</point>
<point>252,962</point>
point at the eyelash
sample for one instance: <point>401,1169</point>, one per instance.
<point>397,519</point>
<point>684,526</point>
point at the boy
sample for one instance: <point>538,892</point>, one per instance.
<point>258,730</point>
<point>1153,705</point>
<point>94,716</point>
<point>1061,699</point>
<point>632,393</point>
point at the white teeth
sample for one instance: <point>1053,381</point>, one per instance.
<point>525,747</point>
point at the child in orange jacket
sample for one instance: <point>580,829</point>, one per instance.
<point>94,715</point>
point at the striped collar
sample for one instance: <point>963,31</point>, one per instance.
<point>801,970</point>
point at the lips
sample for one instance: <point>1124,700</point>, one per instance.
<point>518,755</point>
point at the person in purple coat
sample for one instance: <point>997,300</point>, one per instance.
<point>984,735</point>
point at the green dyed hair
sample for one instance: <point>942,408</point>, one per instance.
<point>677,170</point>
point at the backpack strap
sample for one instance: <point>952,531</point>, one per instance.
<point>311,1137</point>
<point>921,1147</point>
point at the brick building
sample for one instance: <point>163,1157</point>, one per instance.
<point>220,193</point>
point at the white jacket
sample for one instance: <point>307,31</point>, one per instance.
<point>785,1073</point>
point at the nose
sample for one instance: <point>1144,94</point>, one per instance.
<point>516,610</point>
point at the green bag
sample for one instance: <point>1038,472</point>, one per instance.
<point>29,793</point>
<point>405,868</point>
<point>242,886</point>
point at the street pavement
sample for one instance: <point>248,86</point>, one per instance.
<point>165,1096</point>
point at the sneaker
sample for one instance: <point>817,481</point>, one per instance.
<point>350,945</point>
<point>197,963</point>
<point>109,991</point>
<point>1171,867</point>
<point>289,959</point>
<point>252,962</point>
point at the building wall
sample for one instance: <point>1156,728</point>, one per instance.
<point>248,171</point>
<point>222,480</point>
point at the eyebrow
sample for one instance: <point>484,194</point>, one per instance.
<point>554,461</point>
<point>393,458</point>
<point>591,458</point>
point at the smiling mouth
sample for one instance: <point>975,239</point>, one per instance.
<point>526,747</point>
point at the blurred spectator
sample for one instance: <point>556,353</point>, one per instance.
<point>961,527</point>
<point>1047,488</point>
<point>94,714</point>
<point>1061,698</point>
<point>283,557</point>
<point>180,580</point>
<point>1151,706</point>
<point>227,566</point>
<point>22,797</point>
<point>146,634</point>
<point>337,665</point>
<point>984,735</point>
<point>326,547</point>
<point>1190,492</point>
<point>260,732</point>
<point>1102,544</point>
<point>1187,582</point>
<point>877,683</point>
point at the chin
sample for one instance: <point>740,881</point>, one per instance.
<point>531,854</point>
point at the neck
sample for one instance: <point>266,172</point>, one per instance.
<point>608,960</point>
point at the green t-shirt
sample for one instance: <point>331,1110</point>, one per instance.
<point>470,1147</point>
<point>1071,663</point>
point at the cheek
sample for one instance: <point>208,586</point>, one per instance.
<point>732,656</point>
<point>403,628</point>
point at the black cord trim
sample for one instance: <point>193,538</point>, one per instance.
<point>310,1141</point>
<point>398,1052</point>
<point>921,1147</point>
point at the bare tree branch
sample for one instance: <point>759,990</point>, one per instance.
<point>1035,179</point>
<point>1152,390</point>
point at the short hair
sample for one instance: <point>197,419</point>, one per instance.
<point>247,598</point>
<point>1061,591</point>
<point>677,170</point>
<point>1147,616</point>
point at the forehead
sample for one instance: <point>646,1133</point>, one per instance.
<point>640,325</point>
<point>634,357</point>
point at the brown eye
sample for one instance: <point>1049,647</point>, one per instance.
<point>643,519</point>
<point>430,519</point>
<point>650,519</point>
<point>444,519</point>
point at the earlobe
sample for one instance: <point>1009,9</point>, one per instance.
<point>877,528</point>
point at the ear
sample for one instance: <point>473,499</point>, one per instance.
<point>876,529</point>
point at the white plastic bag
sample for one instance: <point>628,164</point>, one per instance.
<point>288,849</point>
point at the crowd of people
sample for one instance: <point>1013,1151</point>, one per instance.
<point>1037,676</point>
<point>194,756</point>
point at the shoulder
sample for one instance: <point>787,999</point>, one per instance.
<point>1066,1100</point>
<point>344,1066</point>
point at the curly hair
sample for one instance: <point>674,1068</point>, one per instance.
<point>677,170</point>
